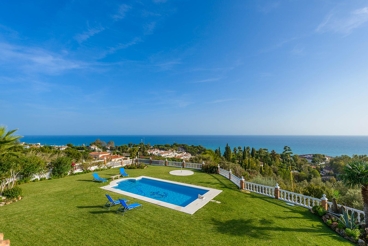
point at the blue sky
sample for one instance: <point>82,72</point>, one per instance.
<point>184,67</point>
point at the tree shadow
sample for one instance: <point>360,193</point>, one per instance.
<point>261,229</point>
<point>219,181</point>
<point>102,212</point>
<point>94,206</point>
<point>85,180</point>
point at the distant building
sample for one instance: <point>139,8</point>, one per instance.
<point>99,155</point>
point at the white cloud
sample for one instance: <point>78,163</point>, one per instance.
<point>159,1</point>
<point>123,9</point>
<point>298,50</point>
<point>168,65</point>
<point>149,28</point>
<point>207,80</point>
<point>222,100</point>
<point>35,60</point>
<point>112,50</point>
<point>343,23</point>
<point>87,34</point>
<point>268,7</point>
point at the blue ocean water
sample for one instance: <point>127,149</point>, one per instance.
<point>328,145</point>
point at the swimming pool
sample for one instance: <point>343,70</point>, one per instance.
<point>179,196</point>
<point>172,193</point>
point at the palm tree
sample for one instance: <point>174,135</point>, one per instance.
<point>356,174</point>
<point>7,141</point>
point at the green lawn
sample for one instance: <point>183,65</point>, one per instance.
<point>69,211</point>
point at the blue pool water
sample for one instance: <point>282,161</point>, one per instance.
<point>176,194</point>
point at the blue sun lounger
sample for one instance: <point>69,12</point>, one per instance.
<point>124,206</point>
<point>123,173</point>
<point>98,178</point>
<point>111,202</point>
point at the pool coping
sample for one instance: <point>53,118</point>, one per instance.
<point>189,209</point>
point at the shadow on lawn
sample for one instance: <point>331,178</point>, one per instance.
<point>102,212</point>
<point>231,186</point>
<point>94,206</point>
<point>102,209</point>
<point>85,180</point>
<point>306,214</point>
<point>261,228</point>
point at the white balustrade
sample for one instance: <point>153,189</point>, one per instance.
<point>260,189</point>
<point>174,164</point>
<point>235,180</point>
<point>197,166</point>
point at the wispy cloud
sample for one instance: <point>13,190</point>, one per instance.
<point>8,32</point>
<point>343,23</point>
<point>210,80</point>
<point>167,65</point>
<point>123,9</point>
<point>112,50</point>
<point>298,50</point>
<point>87,34</point>
<point>222,100</point>
<point>279,45</point>
<point>35,60</point>
<point>159,1</point>
<point>268,7</point>
<point>149,28</point>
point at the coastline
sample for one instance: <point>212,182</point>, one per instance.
<point>303,144</point>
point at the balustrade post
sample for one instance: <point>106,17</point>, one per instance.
<point>218,169</point>
<point>230,174</point>
<point>166,162</point>
<point>242,183</point>
<point>277,191</point>
<point>324,202</point>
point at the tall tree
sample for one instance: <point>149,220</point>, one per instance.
<point>356,174</point>
<point>286,157</point>
<point>253,153</point>
<point>227,153</point>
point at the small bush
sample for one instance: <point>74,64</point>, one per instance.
<point>136,166</point>
<point>354,233</point>
<point>14,192</point>
<point>329,222</point>
<point>61,167</point>
<point>319,210</point>
<point>209,168</point>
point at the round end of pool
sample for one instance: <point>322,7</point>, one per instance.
<point>181,172</point>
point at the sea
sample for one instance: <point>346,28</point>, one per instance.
<point>327,145</point>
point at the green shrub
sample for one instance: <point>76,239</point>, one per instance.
<point>14,192</point>
<point>341,225</point>
<point>136,166</point>
<point>319,210</point>
<point>209,168</point>
<point>61,167</point>
<point>329,222</point>
<point>354,233</point>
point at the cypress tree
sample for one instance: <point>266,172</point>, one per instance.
<point>227,153</point>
